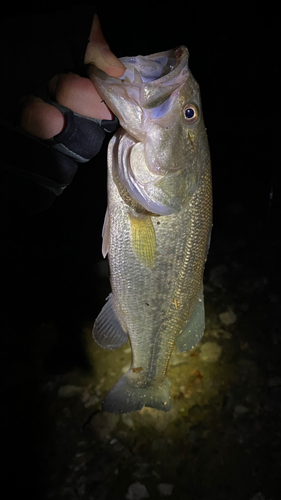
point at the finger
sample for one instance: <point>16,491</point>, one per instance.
<point>79,95</point>
<point>72,91</point>
<point>41,119</point>
<point>99,53</point>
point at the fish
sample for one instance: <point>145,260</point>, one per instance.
<point>158,222</point>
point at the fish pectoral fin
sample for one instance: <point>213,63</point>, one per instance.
<point>143,239</point>
<point>107,331</point>
<point>128,396</point>
<point>105,234</point>
<point>193,331</point>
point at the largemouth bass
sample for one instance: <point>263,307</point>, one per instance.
<point>158,223</point>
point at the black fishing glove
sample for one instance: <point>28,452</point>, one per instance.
<point>34,172</point>
<point>33,49</point>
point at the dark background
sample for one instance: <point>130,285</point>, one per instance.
<point>48,263</point>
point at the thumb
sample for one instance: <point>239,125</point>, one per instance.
<point>99,53</point>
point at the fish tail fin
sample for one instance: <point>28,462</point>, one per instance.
<point>128,396</point>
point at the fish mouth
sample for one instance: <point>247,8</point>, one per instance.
<point>144,69</point>
<point>158,75</point>
<point>149,80</point>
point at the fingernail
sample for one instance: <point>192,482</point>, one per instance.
<point>110,58</point>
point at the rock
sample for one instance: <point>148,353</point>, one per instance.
<point>165,489</point>
<point>226,335</point>
<point>91,401</point>
<point>136,491</point>
<point>228,317</point>
<point>68,493</point>
<point>142,471</point>
<point>210,352</point>
<point>219,333</point>
<point>258,496</point>
<point>81,490</point>
<point>104,423</point>
<point>127,419</point>
<point>216,275</point>
<point>240,410</point>
<point>67,391</point>
<point>155,419</point>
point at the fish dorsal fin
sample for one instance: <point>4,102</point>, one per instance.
<point>194,329</point>
<point>107,331</point>
<point>105,234</point>
<point>143,239</point>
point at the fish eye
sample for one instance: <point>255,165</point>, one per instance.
<point>191,113</point>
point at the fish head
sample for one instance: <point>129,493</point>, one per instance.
<point>157,101</point>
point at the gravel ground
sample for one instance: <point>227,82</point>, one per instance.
<point>222,438</point>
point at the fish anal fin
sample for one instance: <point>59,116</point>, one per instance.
<point>193,331</point>
<point>128,396</point>
<point>107,331</point>
<point>143,239</point>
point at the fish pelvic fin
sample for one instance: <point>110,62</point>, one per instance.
<point>143,239</point>
<point>128,396</point>
<point>107,331</point>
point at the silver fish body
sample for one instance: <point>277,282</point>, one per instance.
<point>158,222</point>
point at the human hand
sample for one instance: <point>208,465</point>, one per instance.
<point>43,120</point>
<point>64,122</point>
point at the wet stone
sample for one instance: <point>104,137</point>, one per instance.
<point>165,489</point>
<point>155,419</point>
<point>240,410</point>
<point>137,491</point>
<point>219,333</point>
<point>217,275</point>
<point>67,391</point>
<point>142,471</point>
<point>104,423</point>
<point>258,496</point>
<point>228,317</point>
<point>210,352</point>
<point>127,419</point>
<point>92,400</point>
